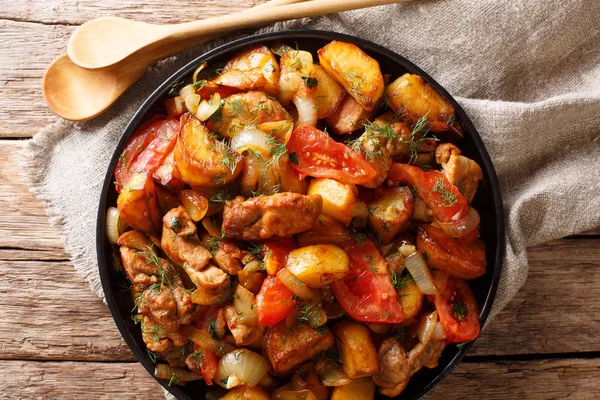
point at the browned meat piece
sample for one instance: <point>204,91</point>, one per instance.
<point>225,254</point>
<point>185,307</point>
<point>139,270</point>
<point>154,335</point>
<point>282,214</point>
<point>174,356</point>
<point>180,241</point>
<point>288,348</point>
<point>243,333</point>
<point>460,170</point>
<point>394,367</point>
<point>397,367</point>
<point>425,356</point>
<point>158,303</point>
<point>371,145</point>
<point>210,278</point>
<point>350,116</point>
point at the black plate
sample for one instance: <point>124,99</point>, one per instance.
<point>488,202</point>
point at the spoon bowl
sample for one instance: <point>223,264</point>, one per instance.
<point>78,94</point>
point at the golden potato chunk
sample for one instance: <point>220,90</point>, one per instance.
<point>138,204</point>
<point>201,159</point>
<point>359,389</point>
<point>413,98</point>
<point>391,212</point>
<point>339,199</point>
<point>410,298</point>
<point>318,265</point>
<point>253,69</point>
<point>246,392</point>
<point>352,68</point>
<point>288,348</point>
<point>241,109</point>
<point>359,355</point>
<point>329,94</point>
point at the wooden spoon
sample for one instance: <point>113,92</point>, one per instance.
<point>104,42</point>
<point>79,94</point>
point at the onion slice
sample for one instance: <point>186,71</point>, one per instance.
<point>208,108</point>
<point>243,302</point>
<point>307,110</point>
<point>191,102</point>
<point>250,138</point>
<point>204,340</point>
<point>186,91</point>
<point>463,226</point>
<point>165,371</point>
<point>416,265</point>
<point>241,367</point>
<point>330,373</point>
<point>422,212</point>
<point>115,226</point>
<point>439,333</point>
<point>294,284</point>
<point>427,327</point>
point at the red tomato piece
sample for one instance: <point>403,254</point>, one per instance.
<point>443,198</point>
<point>320,156</point>
<point>147,148</point>
<point>274,302</point>
<point>366,293</point>
<point>275,252</point>
<point>209,359</point>
<point>458,311</point>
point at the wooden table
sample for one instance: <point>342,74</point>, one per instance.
<point>58,340</point>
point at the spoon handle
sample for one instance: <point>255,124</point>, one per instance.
<point>254,17</point>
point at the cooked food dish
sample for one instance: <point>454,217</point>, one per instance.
<point>299,227</point>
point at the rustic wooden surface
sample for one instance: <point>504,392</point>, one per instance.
<point>58,340</point>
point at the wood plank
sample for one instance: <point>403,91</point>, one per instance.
<point>23,221</point>
<point>48,313</point>
<point>71,380</point>
<point>27,50</point>
<point>540,379</point>
<point>557,310</point>
<point>76,12</point>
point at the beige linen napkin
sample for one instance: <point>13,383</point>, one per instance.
<point>526,72</point>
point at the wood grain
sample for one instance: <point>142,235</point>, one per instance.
<point>541,379</point>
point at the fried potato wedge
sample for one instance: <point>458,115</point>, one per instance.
<point>318,265</point>
<point>287,348</point>
<point>352,68</point>
<point>329,94</point>
<point>410,298</point>
<point>138,204</point>
<point>359,355</point>
<point>460,259</point>
<point>253,69</point>
<point>413,98</point>
<point>241,109</point>
<point>202,160</point>
<point>339,199</point>
<point>391,212</point>
<point>359,389</point>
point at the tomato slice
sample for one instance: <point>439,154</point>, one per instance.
<point>275,252</point>
<point>320,156</point>
<point>147,149</point>
<point>366,293</point>
<point>209,359</point>
<point>274,302</point>
<point>443,198</point>
<point>458,311</point>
